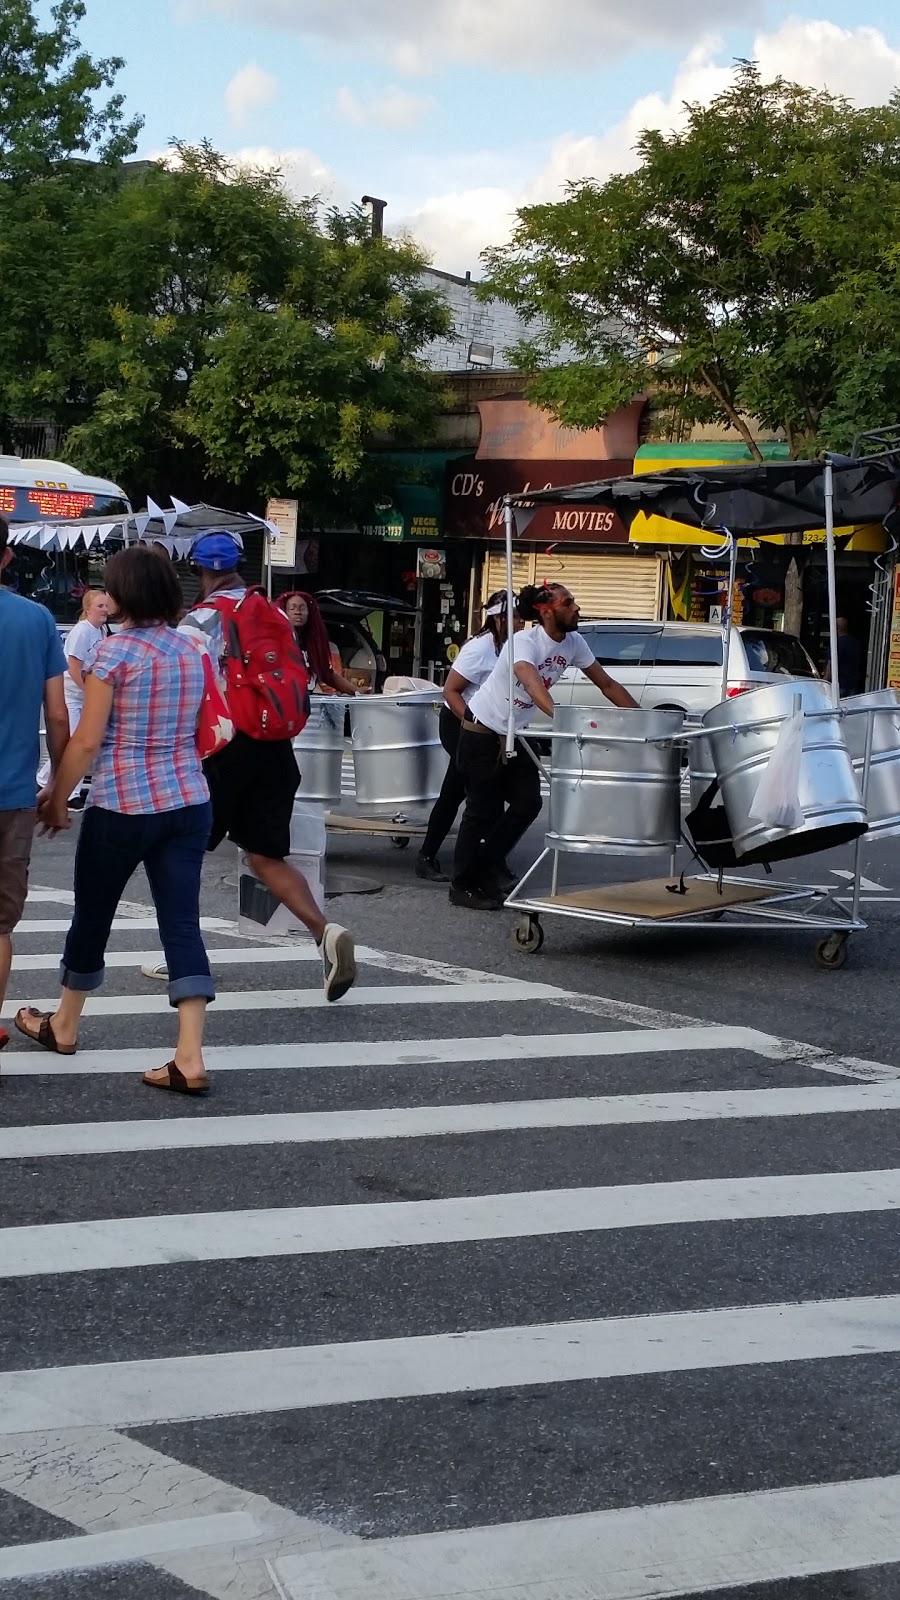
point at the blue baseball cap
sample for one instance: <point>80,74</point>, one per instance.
<point>217,550</point>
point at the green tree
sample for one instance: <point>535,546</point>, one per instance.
<point>745,274</point>
<point>48,88</point>
<point>247,340</point>
<point>746,270</point>
<point>61,153</point>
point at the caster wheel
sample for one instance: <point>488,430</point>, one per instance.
<point>831,953</point>
<point>528,936</point>
<point>400,841</point>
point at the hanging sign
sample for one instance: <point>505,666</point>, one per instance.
<point>431,563</point>
<point>283,548</point>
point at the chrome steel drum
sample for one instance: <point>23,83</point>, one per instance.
<point>319,750</point>
<point>617,797</point>
<point>398,758</point>
<point>702,768</point>
<point>883,792</point>
<point>829,794</point>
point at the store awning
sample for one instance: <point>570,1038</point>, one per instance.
<point>748,499</point>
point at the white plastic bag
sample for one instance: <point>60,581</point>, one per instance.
<point>776,803</point>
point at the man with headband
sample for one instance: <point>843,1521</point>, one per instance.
<point>503,797</point>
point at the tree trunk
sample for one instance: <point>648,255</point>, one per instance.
<point>793,592</point>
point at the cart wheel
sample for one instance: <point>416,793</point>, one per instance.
<point>528,936</point>
<point>831,953</point>
<point>400,841</point>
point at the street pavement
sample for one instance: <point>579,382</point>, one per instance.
<point>562,1277</point>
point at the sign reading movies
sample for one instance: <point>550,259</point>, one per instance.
<point>475,490</point>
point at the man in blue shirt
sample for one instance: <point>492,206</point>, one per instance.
<point>32,670</point>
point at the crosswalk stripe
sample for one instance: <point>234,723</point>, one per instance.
<point>680,1548</point>
<point>254,955</point>
<point>120,925</point>
<point>404,1052</point>
<point>411,994</point>
<point>421,1122</point>
<point>169,1389</point>
<point>125,1545</point>
<point>67,1247</point>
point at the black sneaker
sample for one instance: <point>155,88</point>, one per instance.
<point>474,900</point>
<point>429,868</point>
<point>77,803</point>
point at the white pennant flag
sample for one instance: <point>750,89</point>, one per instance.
<point>153,508</point>
<point>141,521</point>
<point>46,537</point>
<point>169,520</point>
<point>179,505</point>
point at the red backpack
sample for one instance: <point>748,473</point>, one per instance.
<point>266,679</point>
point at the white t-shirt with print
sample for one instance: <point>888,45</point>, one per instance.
<point>475,662</point>
<point>551,657</point>
<point>83,641</point>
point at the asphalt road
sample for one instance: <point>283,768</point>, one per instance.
<point>565,1276</point>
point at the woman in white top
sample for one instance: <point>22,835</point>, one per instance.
<point>474,664</point>
<point>81,645</point>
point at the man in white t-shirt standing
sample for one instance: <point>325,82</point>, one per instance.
<point>503,797</point>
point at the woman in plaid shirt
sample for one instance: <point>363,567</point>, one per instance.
<point>149,805</point>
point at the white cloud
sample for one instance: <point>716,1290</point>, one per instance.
<point>394,108</point>
<point>418,37</point>
<point>857,62</point>
<point>249,89</point>
<point>456,225</point>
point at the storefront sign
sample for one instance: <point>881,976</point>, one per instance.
<point>431,564</point>
<point>283,548</point>
<point>893,671</point>
<point>475,491</point>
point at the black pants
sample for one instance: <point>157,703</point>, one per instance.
<point>503,798</point>
<point>453,793</point>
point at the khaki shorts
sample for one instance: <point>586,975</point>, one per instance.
<point>16,834</point>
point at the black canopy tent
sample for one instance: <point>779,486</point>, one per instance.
<point>762,499</point>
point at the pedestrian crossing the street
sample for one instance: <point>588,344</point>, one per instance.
<point>467,1287</point>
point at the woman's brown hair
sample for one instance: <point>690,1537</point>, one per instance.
<point>143,589</point>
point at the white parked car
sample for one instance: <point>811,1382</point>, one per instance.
<point>678,665</point>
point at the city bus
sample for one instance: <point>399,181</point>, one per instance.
<point>53,491</point>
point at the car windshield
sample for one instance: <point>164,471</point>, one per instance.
<point>620,646</point>
<point>768,651</point>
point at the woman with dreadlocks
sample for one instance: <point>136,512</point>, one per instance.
<point>302,612</point>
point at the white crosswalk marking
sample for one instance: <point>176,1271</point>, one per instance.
<point>65,1247</point>
<point>414,1224</point>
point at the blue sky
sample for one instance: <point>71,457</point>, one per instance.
<point>457,110</point>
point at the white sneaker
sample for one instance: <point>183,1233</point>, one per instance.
<point>157,969</point>
<point>338,960</point>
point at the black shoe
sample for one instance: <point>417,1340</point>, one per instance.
<point>77,804</point>
<point>429,867</point>
<point>474,900</point>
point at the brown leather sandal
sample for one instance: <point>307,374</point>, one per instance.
<point>45,1036</point>
<point>175,1080</point>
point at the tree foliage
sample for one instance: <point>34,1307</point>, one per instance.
<point>192,325</point>
<point>747,269</point>
<point>48,85</point>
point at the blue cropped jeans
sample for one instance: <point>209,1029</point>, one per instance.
<point>171,846</point>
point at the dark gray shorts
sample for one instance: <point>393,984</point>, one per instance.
<point>16,835</point>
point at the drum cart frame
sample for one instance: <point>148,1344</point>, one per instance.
<point>730,500</point>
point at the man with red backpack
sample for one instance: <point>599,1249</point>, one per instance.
<point>254,778</point>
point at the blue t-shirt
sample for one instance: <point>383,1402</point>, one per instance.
<point>30,653</point>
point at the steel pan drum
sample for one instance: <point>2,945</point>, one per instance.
<point>883,793</point>
<point>398,758</point>
<point>615,797</point>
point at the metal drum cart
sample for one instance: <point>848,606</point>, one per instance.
<point>615,775</point>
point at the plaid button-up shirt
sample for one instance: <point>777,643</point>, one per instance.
<point>148,761</point>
